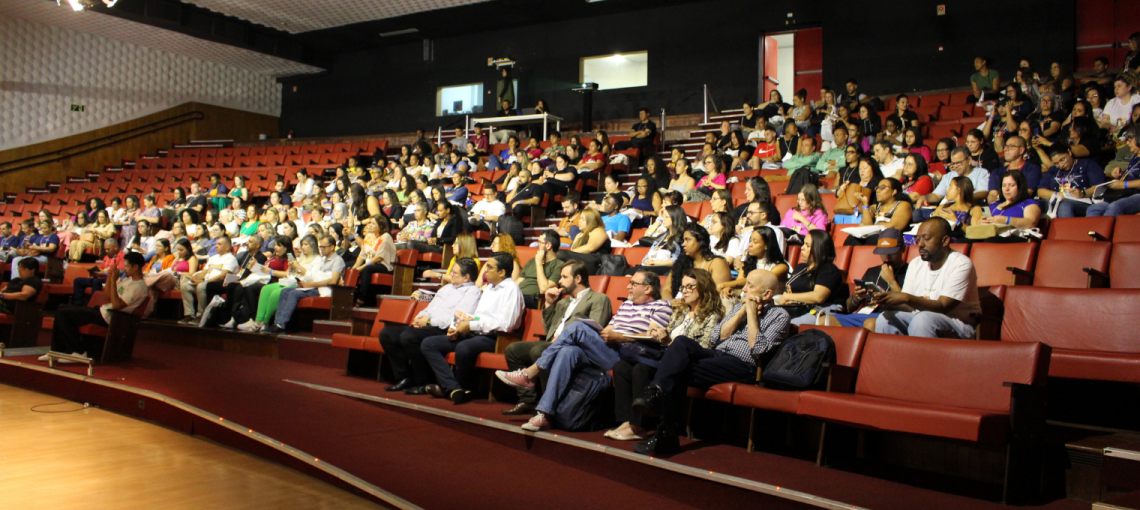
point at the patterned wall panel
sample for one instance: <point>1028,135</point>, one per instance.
<point>303,16</point>
<point>46,69</point>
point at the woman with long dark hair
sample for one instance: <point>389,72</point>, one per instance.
<point>697,252</point>
<point>1018,208</point>
<point>893,210</point>
<point>667,248</point>
<point>722,237</point>
<point>656,173</point>
<point>815,281</point>
<point>916,179</point>
<point>912,139</point>
<point>763,252</point>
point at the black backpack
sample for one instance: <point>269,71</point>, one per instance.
<point>581,408</point>
<point>798,364</point>
<point>800,177</point>
<point>613,265</point>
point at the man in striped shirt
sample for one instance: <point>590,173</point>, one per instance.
<point>580,345</point>
<point>751,329</point>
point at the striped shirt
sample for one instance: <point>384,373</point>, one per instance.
<point>633,319</point>
<point>773,330</point>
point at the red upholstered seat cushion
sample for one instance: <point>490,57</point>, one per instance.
<point>1104,366</point>
<point>93,330</point>
<point>372,344</point>
<point>721,392</point>
<point>171,294</point>
<point>888,414</point>
<point>315,303</point>
<point>492,361</point>
<point>750,395</point>
<point>5,318</point>
<point>348,341</point>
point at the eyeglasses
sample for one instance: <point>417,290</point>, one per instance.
<point>688,288</point>
<point>632,283</point>
<point>880,187</point>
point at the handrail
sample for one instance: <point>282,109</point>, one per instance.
<point>98,143</point>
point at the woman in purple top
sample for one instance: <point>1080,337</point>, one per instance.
<point>1018,209</point>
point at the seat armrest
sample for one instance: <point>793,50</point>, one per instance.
<point>840,379</point>
<point>1097,279</point>
<point>1020,276</point>
<point>1027,407</point>
<point>1096,236</point>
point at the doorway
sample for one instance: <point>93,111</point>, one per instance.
<point>790,61</point>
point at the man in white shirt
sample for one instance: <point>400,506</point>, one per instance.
<point>888,163</point>
<point>500,310</point>
<point>211,278</point>
<point>124,294</point>
<point>939,298</point>
<point>488,209</point>
<point>305,185</point>
<point>309,285</point>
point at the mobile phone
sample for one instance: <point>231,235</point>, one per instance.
<point>871,287</point>
<point>291,257</point>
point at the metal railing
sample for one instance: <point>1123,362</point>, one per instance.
<point>98,143</point>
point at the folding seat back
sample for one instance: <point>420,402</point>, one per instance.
<point>778,187</point>
<point>1078,229</point>
<point>633,256</point>
<point>525,254</point>
<point>1062,263</point>
<point>1054,316</point>
<point>533,329</point>
<point>618,290</point>
<point>848,343</point>
<point>959,98</point>
<point>1126,229</point>
<point>636,235</point>
<point>396,311</point>
<point>784,203</point>
<point>993,260</point>
<point>915,370</point>
<point>692,209</point>
<point>1124,268</point>
<point>912,250</point>
<point>843,257</point>
<point>862,258</point>
<point>598,283</point>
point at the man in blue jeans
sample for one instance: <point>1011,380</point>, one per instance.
<point>500,310</point>
<point>580,345</point>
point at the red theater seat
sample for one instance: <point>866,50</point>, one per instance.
<point>1079,229</point>
<point>1103,348</point>
<point>1063,263</point>
<point>1124,270</point>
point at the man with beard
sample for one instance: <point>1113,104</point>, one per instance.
<point>939,298</point>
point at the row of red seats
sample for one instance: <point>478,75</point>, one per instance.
<point>353,148</point>
<point>188,163</point>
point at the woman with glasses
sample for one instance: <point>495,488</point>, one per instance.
<point>893,210</point>
<point>699,312</point>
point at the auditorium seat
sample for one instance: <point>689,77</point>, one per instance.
<point>1124,267</point>
<point>1071,264</point>
<point>598,283</point>
<point>862,258</point>
<point>633,256</point>
<point>848,351</point>
<point>906,385</point>
<point>1092,331</point>
<point>992,263</point>
<point>1081,229</point>
<point>1126,229</point>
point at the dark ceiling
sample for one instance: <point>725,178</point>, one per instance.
<point>322,47</point>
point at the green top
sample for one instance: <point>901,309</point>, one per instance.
<point>838,155</point>
<point>801,160</point>
<point>529,285</point>
<point>236,192</point>
<point>249,228</point>
<point>985,82</point>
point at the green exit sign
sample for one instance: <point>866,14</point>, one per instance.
<point>78,107</point>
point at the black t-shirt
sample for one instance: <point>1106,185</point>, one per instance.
<point>18,284</point>
<point>531,190</point>
<point>829,276</point>
<point>989,159</point>
<point>750,123</point>
<point>773,109</point>
<point>873,272</point>
<point>909,116</point>
<point>789,146</point>
<point>259,257</point>
<point>196,201</point>
<point>641,126</point>
<point>286,199</point>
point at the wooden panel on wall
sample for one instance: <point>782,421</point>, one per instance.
<point>217,123</point>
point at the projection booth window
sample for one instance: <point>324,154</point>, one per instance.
<point>459,99</point>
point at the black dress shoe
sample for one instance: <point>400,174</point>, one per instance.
<point>434,390</point>
<point>272,329</point>
<point>651,403</point>
<point>523,408</point>
<point>660,444</point>
<point>416,390</point>
<point>461,396</point>
<point>402,385</point>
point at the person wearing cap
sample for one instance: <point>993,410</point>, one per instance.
<point>888,276</point>
<point>939,298</point>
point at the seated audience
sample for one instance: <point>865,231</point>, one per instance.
<point>1018,208</point>
<point>1122,195</point>
<point>209,281</point>
<point>695,318</point>
<point>488,209</point>
<point>377,255</point>
<point>939,297</point>
<point>463,247</point>
<point>526,194</point>
<point>314,280</point>
<point>816,282</point>
<point>916,180</point>
<point>448,226</point>
<point>889,165</point>
<point>750,330</point>
<point>123,294</point>
<point>567,227</point>
<point>641,134</point>
<point>958,209</point>
<point>500,310</point>
<point>1069,182</point>
<point>92,236</point>
<point>27,286</point>
<point>579,345</point>
<point>37,246</point>
<point>888,277</point>
<point>666,247</point>
<point>618,226</point>
<point>893,210</point>
<point>762,252</point>
<point>541,272</point>
<point>809,213</point>
<point>573,282</point>
<point>696,251</point>
<point>112,261</point>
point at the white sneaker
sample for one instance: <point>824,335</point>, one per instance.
<point>229,325</point>
<point>43,358</point>
<point>250,326</point>
<point>76,354</point>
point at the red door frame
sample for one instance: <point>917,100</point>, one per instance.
<point>808,65</point>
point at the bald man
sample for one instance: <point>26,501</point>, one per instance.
<point>939,298</point>
<point>753,328</point>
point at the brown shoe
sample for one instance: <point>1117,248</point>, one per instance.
<point>523,408</point>
<point>435,391</point>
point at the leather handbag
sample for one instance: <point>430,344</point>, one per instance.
<point>848,200</point>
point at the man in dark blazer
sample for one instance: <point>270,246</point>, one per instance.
<point>581,303</point>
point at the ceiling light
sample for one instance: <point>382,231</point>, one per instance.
<point>400,32</point>
<point>75,5</point>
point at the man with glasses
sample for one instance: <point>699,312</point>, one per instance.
<point>959,166</point>
<point>500,310</point>
<point>308,285</point>
<point>580,346</point>
<point>1070,181</point>
<point>1015,159</point>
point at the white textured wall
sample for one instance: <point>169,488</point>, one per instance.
<point>45,69</point>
